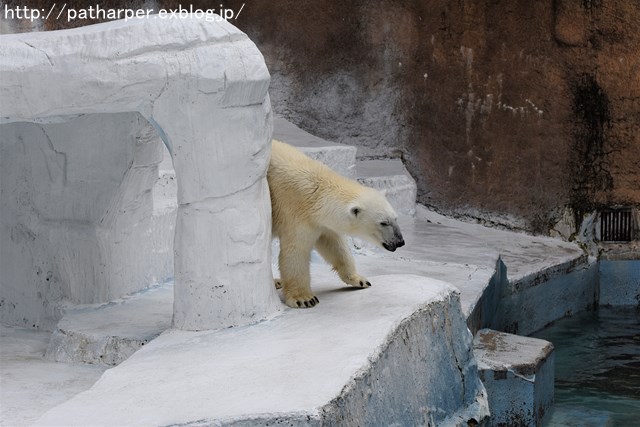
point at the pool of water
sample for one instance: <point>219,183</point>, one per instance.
<point>597,368</point>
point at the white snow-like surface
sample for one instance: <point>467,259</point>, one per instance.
<point>29,384</point>
<point>523,254</point>
<point>294,363</point>
<point>110,333</point>
<point>79,151</point>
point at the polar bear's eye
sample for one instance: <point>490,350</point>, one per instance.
<point>385,224</point>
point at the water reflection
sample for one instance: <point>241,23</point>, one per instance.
<point>597,368</point>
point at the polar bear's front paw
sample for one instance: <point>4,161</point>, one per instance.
<point>301,300</point>
<point>277,283</point>
<point>358,281</point>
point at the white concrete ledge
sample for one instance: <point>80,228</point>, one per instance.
<point>95,92</point>
<point>362,357</point>
<point>391,177</point>
<point>109,334</point>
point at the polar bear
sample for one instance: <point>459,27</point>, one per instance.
<point>314,207</point>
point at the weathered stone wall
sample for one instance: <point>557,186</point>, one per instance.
<point>512,108</point>
<point>518,111</point>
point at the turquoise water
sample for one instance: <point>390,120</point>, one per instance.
<point>597,374</point>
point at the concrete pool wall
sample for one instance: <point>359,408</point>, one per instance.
<point>525,305</point>
<point>619,282</point>
<point>518,371</point>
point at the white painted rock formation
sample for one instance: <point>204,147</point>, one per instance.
<point>399,354</point>
<point>82,112</point>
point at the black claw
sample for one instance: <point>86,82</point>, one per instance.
<point>316,300</point>
<point>306,303</point>
<point>299,303</point>
<point>368,283</point>
<point>312,302</point>
<point>361,284</point>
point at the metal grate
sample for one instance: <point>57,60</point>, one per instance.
<point>616,225</point>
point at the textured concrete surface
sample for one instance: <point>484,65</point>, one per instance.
<point>108,334</point>
<point>76,217</point>
<point>390,176</point>
<point>312,367</point>
<point>620,282</point>
<point>30,384</point>
<point>530,304</point>
<point>518,373</point>
<point>73,219</point>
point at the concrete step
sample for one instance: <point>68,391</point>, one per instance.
<point>339,157</point>
<point>518,373</point>
<point>392,177</point>
<point>387,175</point>
<point>108,334</point>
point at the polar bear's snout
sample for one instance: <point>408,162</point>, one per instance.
<point>394,241</point>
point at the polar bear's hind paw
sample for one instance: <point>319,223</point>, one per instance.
<point>309,303</point>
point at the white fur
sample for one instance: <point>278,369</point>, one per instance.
<point>313,207</point>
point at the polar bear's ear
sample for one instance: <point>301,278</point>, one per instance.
<point>355,211</point>
<point>383,192</point>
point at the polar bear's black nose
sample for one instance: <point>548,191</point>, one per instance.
<point>393,246</point>
<point>398,237</point>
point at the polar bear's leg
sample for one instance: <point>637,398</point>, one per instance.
<point>294,259</point>
<point>335,250</point>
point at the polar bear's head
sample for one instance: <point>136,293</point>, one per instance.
<point>372,218</point>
